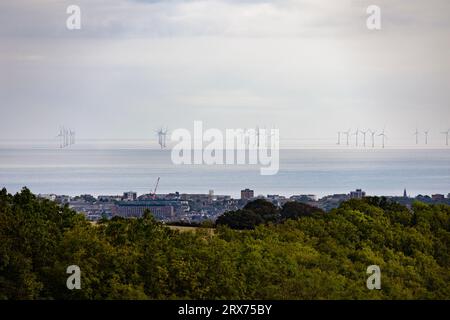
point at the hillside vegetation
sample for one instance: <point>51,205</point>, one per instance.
<point>294,253</point>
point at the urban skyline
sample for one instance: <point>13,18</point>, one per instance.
<point>189,207</point>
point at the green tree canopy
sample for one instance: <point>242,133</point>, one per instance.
<point>306,254</point>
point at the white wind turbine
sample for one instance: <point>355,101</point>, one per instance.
<point>383,137</point>
<point>72,136</point>
<point>162,134</point>
<point>357,136</point>
<point>61,137</point>
<point>417,135</point>
<point>426,136</point>
<point>364,137</point>
<point>347,133</point>
<point>446,136</point>
<point>257,137</point>
<point>372,135</point>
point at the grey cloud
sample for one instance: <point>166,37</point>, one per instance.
<point>178,61</point>
<point>185,18</point>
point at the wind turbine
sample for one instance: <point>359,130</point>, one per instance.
<point>161,137</point>
<point>257,137</point>
<point>426,136</point>
<point>244,138</point>
<point>357,135</point>
<point>384,136</point>
<point>66,137</point>
<point>166,132</point>
<point>271,134</point>
<point>417,135</point>
<point>372,134</point>
<point>60,135</point>
<point>364,137</point>
<point>446,136</point>
<point>347,133</point>
<point>72,136</point>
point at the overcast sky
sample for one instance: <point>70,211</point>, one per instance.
<point>307,67</point>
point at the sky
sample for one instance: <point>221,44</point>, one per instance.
<point>310,68</point>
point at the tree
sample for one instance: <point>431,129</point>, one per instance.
<point>266,210</point>
<point>295,210</point>
<point>304,255</point>
<point>240,219</point>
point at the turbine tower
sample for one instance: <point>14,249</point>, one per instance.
<point>257,136</point>
<point>364,137</point>
<point>60,136</point>
<point>446,136</point>
<point>372,135</point>
<point>72,136</point>
<point>270,134</point>
<point>66,137</point>
<point>417,135</point>
<point>347,133</point>
<point>244,138</point>
<point>165,136</point>
<point>162,134</point>
<point>160,139</point>
<point>383,137</point>
<point>357,135</point>
<point>426,136</point>
<point>339,138</point>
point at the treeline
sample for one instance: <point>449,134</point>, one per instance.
<point>296,254</point>
<point>262,212</point>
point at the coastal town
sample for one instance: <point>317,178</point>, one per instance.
<point>196,208</point>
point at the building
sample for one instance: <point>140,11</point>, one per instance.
<point>304,198</point>
<point>247,194</point>
<point>357,194</point>
<point>84,198</point>
<point>161,209</point>
<point>109,198</point>
<point>93,211</point>
<point>199,198</point>
<point>332,201</point>
<point>276,199</point>
<point>170,196</point>
<point>62,199</point>
<point>129,196</point>
<point>222,198</point>
<point>51,197</point>
<point>437,197</point>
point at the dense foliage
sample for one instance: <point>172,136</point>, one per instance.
<point>305,255</point>
<point>262,212</point>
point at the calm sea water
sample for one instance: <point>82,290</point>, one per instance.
<point>320,172</point>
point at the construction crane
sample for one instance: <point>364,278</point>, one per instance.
<point>153,195</point>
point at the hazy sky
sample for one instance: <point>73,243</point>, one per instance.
<point>307,67</point>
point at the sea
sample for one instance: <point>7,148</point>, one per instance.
<point>110,170</point>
